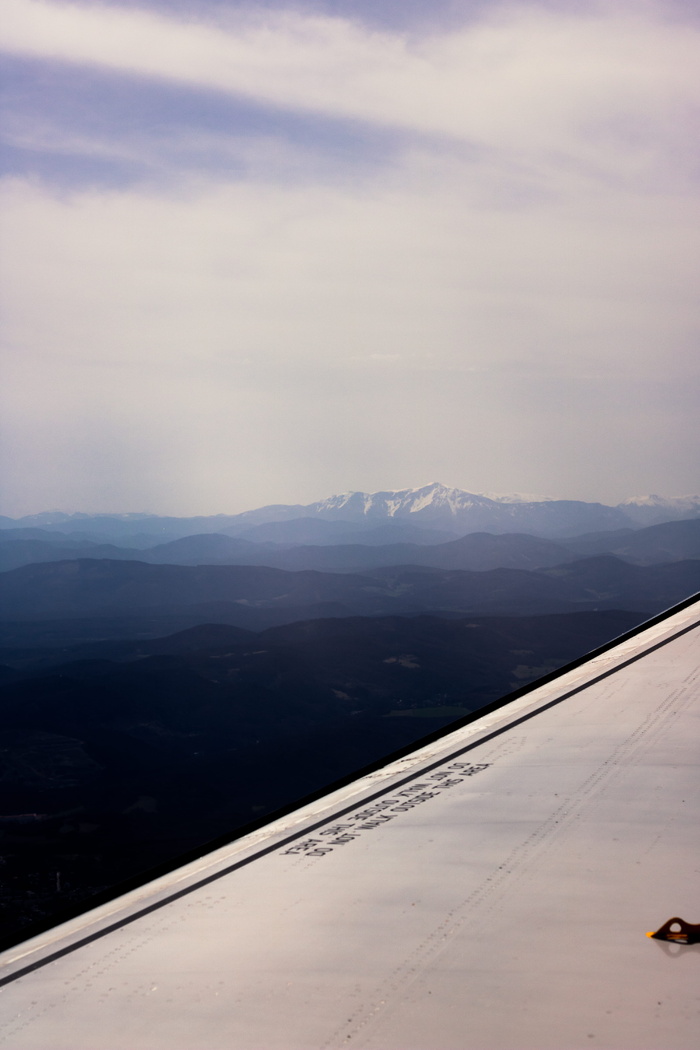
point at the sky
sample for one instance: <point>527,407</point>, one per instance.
<point>265,253</point>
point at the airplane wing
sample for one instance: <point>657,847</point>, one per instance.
<point>489,891</point>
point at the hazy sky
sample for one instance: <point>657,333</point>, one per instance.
<point>267,252</point>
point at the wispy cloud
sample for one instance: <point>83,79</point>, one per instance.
<point>611,90</point>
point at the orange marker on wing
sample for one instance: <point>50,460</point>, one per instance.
<point>679,931</point>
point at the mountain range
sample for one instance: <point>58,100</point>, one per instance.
<point>132,598</point>
<point>434,506</point>
<point>670,541</point>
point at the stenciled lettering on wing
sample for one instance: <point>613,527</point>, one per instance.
<point>325,840</point>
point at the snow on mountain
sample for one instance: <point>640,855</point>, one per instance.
<point>653,509</point>
<point>426,500</point>
<point>674,502</point>
<point>428,507</point>
<point>518,497</point>
<point>440,506</point>
<point>437,498</point>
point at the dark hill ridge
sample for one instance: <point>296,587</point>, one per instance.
<point>480,551</point>
<point>16,553</point>
<point>34,533</point>
<point>211,549</point>
<point>255,597</point>
<point>360,652</point>
<point>668,541</point>
<point>319,532</point>
<point>477,552</point>
<point>105,587</point>
<point>205,637</point>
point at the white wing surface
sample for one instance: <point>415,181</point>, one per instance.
<point>491,891</point>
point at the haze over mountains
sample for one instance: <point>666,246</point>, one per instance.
<point>164,681</point>
<point>269,567</point>
<point>433,506</point>
<point>670,541</point>
<point>433,526</point>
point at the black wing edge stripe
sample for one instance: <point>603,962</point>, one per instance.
<point>308,829</point>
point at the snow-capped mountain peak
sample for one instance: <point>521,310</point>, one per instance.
<point>440,506</point>
<point>395,503</point>
<point>450,511</point>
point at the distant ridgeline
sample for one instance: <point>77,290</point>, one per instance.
<point>408,514</point>
<point>166,681</point>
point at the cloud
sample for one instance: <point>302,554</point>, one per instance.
<point>610,90</point>
<point>396,326</point>
<point>74,126</point>
<point>495,287</point>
